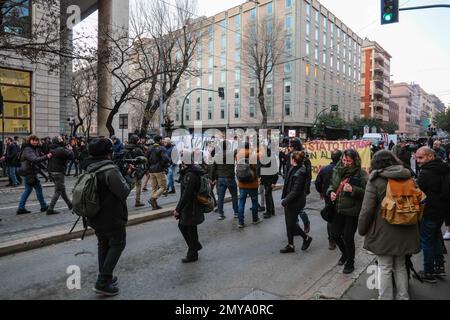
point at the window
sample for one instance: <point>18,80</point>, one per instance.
<point>270,8</point>
<point>252,111</point>
<point>252,92</point>
<point>324,57</point>
<point>288,67</point>
<point>308,11</point>
<point>223,26</point>
<point>324,40</point>
<point>287,86</point>
<point>288,43</point>
<point>316,54</point>
<point>222,110</point>
<point>237,56</point>
<point>237,21</point>
<point>316,17</point>
<point>223,60</point>
<point>316,34</point>
<point>210,62</point>
<point>223,77</point>
<point>210,79</point>
<point>253,14</point>
<point>308,30</point>
<point>287,109</point>
<point>210,114</point>
<point>237,40</point>
<point>308,45</point>
<point>237,111</point>
<point>269,89</point>
<point>307,69</point>
<point>224,42</point>
<point>16,90</point>
<point>211,47</point>
<point>210,97</point>
<point>306,110</point>
<point>325,20</point>
<point>198,114</point>
<point>288,24</point>
<point>237,75</point>
<point>288,4</point>
<point>236,93</point>
<point>198,100</point>
<point>269,27</point>
<point>17,18</point>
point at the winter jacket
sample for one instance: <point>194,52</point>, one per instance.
<point>441,154</point>
<point>132,151</point>
<point>308,166</point>
<point>348,203</point>
<point>294,196</point>
<point>158,160</point>
<point>113,190</point>
<point>381,237</point>
<point>191,213</point>
<point>58,162</point>
<point>31,159</point>
<point>265,170</point>
<point>430,182</point>
<point>12,151</point>
<point>323,179</point>
<point>117,147</point>
<point>245,153</point>
<point>224,170</point>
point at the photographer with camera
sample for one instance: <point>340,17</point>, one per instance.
<point>56,168</point>
<point>131,152</point>
<point>110,221</point>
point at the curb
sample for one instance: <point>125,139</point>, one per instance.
<point>43,240</point>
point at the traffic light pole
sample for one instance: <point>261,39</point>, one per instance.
<point>320,113</point>
<point>426,7</point>
<point>185,99</point>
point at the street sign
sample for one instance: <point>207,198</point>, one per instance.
<point>123,121</point>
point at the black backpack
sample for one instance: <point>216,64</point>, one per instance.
<point>244,172</point>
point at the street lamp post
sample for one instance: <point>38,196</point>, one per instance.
<point>333,108</point>
<point>185,99</point>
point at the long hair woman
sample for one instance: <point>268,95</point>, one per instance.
<point>294,200</point>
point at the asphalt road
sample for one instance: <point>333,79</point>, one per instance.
<point>234,263</point>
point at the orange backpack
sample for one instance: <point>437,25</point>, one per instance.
<point>403,203</point>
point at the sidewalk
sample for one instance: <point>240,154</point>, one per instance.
<point>417,290</point>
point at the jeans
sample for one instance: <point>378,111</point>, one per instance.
<point>26,193</point>
<point>11,171</point>
<point>222,185</point>
<point>170,179</point>
<point>304,217</point>
<point>389,266</point>
<point>343,230</point>
<point>73,162</point>
<point>253,194</point>
<point>431,242</point>
<point>110,247</point>
<point>190,235</point>
<point>60,190</point>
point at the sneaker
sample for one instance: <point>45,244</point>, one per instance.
<point>241,225</point>
<point>288,249</point>
<point>236,216</point>
<point>23,211</point>
<point>257,221</point>
<point>261,209</point>
<point>427,277</point>
<point>52,212</point>
<point>115,281</point>
<point>144,189</point>
<point>172,191</point>
<point>439,272</point>
<point>190,259</point>
<point>139,204</point>
<point>44,209</point>
<point>267,216</point>
<point>306,243</point>
<point>342,261</point>
<point>349,268</point>
<point>108,289</point>
<point>199,246</point>
<point>447,236</point>
<point>221,217</point>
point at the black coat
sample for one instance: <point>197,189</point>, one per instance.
<point>308,166</point>
<point>158,160</point>
<point>113,191</point>
<point>59,159</point>
<point>191,213</point>
<point>12,151</point>
<point>294,197</point>
<point>430,182</point>
<point>31,160</point>
<point>323,179</point>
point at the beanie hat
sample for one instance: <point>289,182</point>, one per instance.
<point>100,147</point>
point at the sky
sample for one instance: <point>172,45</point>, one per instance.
<point>418,44</point>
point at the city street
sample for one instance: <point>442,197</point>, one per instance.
<point>234,264</point>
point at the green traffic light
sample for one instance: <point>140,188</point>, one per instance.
<point>388,16</point>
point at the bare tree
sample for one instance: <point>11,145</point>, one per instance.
<point>172,37</point>
<point>38,38</point>
<point>263,50</point>
<point>84,94</point>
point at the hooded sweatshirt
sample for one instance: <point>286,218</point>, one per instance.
<point>381,237</point>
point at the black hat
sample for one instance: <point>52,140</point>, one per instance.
<point>157,139</point>
<point>100,147</point>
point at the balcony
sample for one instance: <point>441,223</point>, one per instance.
<point>378,57</point>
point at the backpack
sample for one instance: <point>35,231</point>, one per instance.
<point>244,172</point>
<point>403,203</point>
<point>205,195</point>
<point>85,200</point>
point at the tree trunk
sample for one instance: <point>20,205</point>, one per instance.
<point>109,122</point>
<point>262,106</point>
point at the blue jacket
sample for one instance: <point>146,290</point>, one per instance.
<point>118,147</point>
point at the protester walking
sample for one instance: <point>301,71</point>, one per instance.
<point>56,168</point>
<point>158,162</point>
<point>294,200</point>
<point>347,191</point>
<point>31,159</point>
<point>188,211</point>
<point>390,242</point>
<point>269,176</point>
<point>171,167</point>
<point>322,184</point>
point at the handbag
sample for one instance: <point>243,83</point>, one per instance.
<point>329,212</point>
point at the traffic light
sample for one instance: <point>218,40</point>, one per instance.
<point>389,11</point>
<point>222,93</point>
